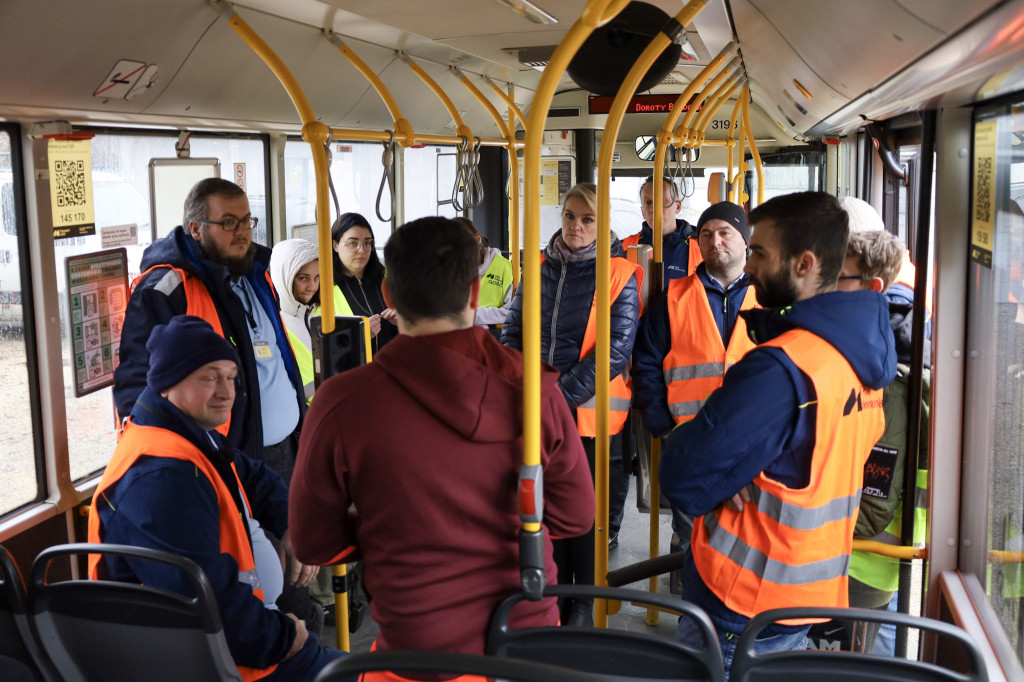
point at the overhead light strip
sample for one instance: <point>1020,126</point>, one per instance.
<point>528,10</point>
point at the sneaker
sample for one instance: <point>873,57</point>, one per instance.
<point>613,541</point>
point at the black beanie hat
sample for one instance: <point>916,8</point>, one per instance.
<point>182,346</point>
<point>730,213</point>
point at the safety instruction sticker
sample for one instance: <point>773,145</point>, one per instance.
<point>983,203</point>
<point>98,293</point>
<point>70,165</point>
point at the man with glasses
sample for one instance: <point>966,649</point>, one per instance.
<point>210,267</point>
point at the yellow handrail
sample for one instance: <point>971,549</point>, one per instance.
<point>510,102</point>
<point>1005,556</point>
<point>401,125</point>
<point>593,17</point>
<point>513,192</point>
<point>711,87</point>
<point>460,126</point>
<point>314,132</point>
<point>894,551</point>
<point>731,140</point>
<point>714,103</point>
<point>486,103</point>
<point>752,143</point>
<point>603,346</point>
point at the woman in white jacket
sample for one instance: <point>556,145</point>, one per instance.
<point>294,270</point>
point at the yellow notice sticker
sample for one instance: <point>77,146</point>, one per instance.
<point>983,203</point>
<point>70,163</point>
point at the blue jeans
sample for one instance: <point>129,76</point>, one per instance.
<point>688,633</point>
<point>885,641</point>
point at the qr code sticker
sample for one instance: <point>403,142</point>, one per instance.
<point>983,196</point>
<point>69,182</point>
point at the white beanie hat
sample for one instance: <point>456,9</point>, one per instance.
<point>863,217</point>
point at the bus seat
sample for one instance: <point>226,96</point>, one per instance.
<point>21,658</point>
<point>642,255</point>
<point>614,653</point>
<point>422,662</point>
<point>852,666</point>
<point>107,630</point>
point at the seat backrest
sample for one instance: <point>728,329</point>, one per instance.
<point>850,666</point>
<point>107,630</point>
<point>21,659</point>
<point>641,255</point>
<point>448,663</point>
<point>609,652</point>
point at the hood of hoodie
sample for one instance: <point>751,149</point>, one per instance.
<point>558,251</point>
<point>480,397</point>
<point>180,250</point>
<point>286,259</point>
<point>855,323</point>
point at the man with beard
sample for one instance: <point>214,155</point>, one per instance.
<point>693,333</point>
<point>774,460</point>
<point>210,267</point>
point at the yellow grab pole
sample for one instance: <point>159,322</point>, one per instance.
<point>712,105</point>
<point>408,138</point>
<point>401,125</point>
<point>510,102</point>
<point>595,14</point>
<point>460,127</point>
<point>486,103</point>
<point>513,191</point>
<point>695,106</point>
<point>661,40</point>
<point>314,132</point>
<point>741,167</point>
<point>758,167</point>
<point>895,551</point>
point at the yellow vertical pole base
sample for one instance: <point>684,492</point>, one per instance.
<point>341,610</point>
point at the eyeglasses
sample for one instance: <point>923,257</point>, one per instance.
<point>860,277</point>
<point>232,224</point>
<point>354,245</point>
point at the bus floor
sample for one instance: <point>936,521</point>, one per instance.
<point>634,542</point>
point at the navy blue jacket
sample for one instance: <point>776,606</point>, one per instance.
<point>150,304</point>
<point>754,422</point>
<point>162,503</point>
<point>675,247</point>
<point>567,294</point>
<point>654,341</point>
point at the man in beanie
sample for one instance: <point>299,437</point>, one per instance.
<point>175,484</point>
<point>692,334</point>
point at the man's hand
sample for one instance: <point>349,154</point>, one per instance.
<point>296,573</point>
<point>390,314</point>
<point>743,496</point>
<point>301,635</point>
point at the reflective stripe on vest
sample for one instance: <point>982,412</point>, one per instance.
<point>156,442</point>
<point>495,282</point>
<point>792,546</point>
<point>619,391</point>
<point>697,359</point>
<point>304,359</point>
<point>198,302</point>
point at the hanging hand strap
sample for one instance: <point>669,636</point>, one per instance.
<point>387,159</point>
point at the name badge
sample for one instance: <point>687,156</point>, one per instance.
<point>261,349</point>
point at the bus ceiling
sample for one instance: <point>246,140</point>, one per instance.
<point>814,68</point>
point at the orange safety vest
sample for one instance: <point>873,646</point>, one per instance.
<point>156,442</point>
<point>697,360</point>
<point>695,258</point>
<point>199,303</point>
<point>620,393</point>
<point>792,547</point>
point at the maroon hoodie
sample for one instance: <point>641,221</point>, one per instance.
<point>426,443</point>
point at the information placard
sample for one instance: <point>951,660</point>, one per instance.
<point>70,166</point>
<point>98,296</point>
<point>983,203</point>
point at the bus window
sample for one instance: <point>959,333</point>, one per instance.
<point>356,172</point>
<point>786,173</point>
<point>242,162</point>
<point>430,175</point>
<point>17,445</point>
<point>994,385</point>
